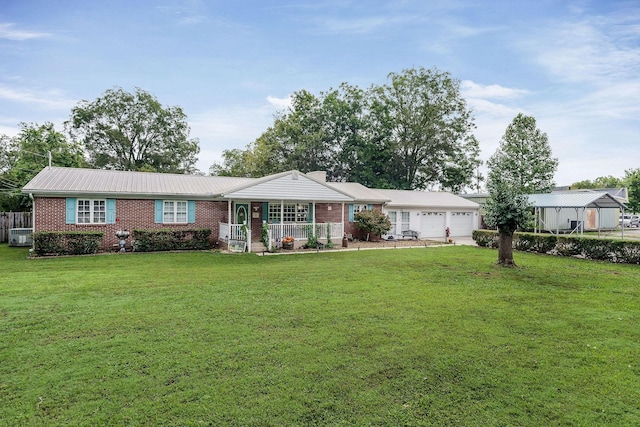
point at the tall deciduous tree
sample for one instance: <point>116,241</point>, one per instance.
<point>24,155</point>
<point>125,131</point>
<point>525,157</point>
<point>521,165</point>
<point>430,129</point>
<point>412,133</point>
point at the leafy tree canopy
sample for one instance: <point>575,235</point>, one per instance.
<point>23,156</point>
<point>521,165</point>
<point>125,131</point>
<point>524,158</point>
<point>600,182</point>
<point>415,132</point>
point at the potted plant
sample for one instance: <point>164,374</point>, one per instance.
<point>287,242</point>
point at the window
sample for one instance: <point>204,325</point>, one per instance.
<point>274,213</point>
<point>174,211</point>
<point>355,209</point>
<point>393,217</point>
<point>359,208</point>
<point>291,212</point>
<point>405,221</point>
<point>91,211</point>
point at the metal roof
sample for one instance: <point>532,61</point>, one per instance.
<point>426,199</point>
<point>65,181</point>
<point>359,192</point>
<point>575,200</point>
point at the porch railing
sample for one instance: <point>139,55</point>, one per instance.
<point>231,232</point>
<point>332,230</point>
<point>302,231</point>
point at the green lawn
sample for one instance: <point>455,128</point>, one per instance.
<point>435,336</point>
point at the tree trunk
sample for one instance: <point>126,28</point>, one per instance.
<point>505,250</point>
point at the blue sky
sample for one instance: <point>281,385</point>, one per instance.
<point>573,65</point>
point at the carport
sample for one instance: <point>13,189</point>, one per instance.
<point>578,202</point>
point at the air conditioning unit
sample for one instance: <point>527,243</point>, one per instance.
<point>20,236</point>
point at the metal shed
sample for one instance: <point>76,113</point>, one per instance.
<point>572,211</point>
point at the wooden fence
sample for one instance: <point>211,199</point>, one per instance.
<point>10,220</point>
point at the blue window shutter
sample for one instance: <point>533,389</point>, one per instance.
<point>310,219</point>
<point>158,211</point>
<point>71,210</point>
<point>265,211</point>
<point>370,207</point>
<point>191,211</point>
<point>350,213</point>
<point>111,211</point>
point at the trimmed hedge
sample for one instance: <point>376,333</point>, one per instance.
<point>620,251</point>
<point>165,239</point>
<point>66,242</point>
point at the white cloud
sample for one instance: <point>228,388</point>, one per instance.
<point>595,49</point>
<point>9,32</point>
<point>475,90</point>
<point>228,128</point>
<point>53,99</point>
<point>354,26</point>
<point>8,130</point>
<point>279,103</point>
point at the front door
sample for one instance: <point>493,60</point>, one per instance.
<point>242,214</point>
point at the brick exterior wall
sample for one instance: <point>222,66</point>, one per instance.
<point>130,214</point>
<point>352,228</point>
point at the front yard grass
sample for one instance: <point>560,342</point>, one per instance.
<point>435,336</point>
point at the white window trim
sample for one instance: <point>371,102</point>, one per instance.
<point>174,212</point>
<point>405,220</point>
<point>360,208</point>
<point>92,211</point>
<point>298,211</point>
<point>393,222</point>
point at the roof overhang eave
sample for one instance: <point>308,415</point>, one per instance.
<point>120,195</point>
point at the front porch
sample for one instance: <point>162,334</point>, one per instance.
<point>300,220</point>
<point>323,231</point>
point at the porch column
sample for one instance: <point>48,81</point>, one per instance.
<point>281,219</point>
<point>313,221</point>
<point>230,220</point>
<point>342,219</point>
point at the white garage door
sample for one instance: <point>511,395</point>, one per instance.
<point>461,223</point>
<point>432,224</point>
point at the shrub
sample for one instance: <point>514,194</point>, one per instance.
<point>66,242</point>
<point>373,221</point>
<point>165,239</point>
<point>486,238</point>
<point>312,240</point>
<point>621,251</point>
<point>531,242</point>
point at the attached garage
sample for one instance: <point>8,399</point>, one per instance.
<point>431,212</point>
<point>432,224</point>
<point>461,223</point>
